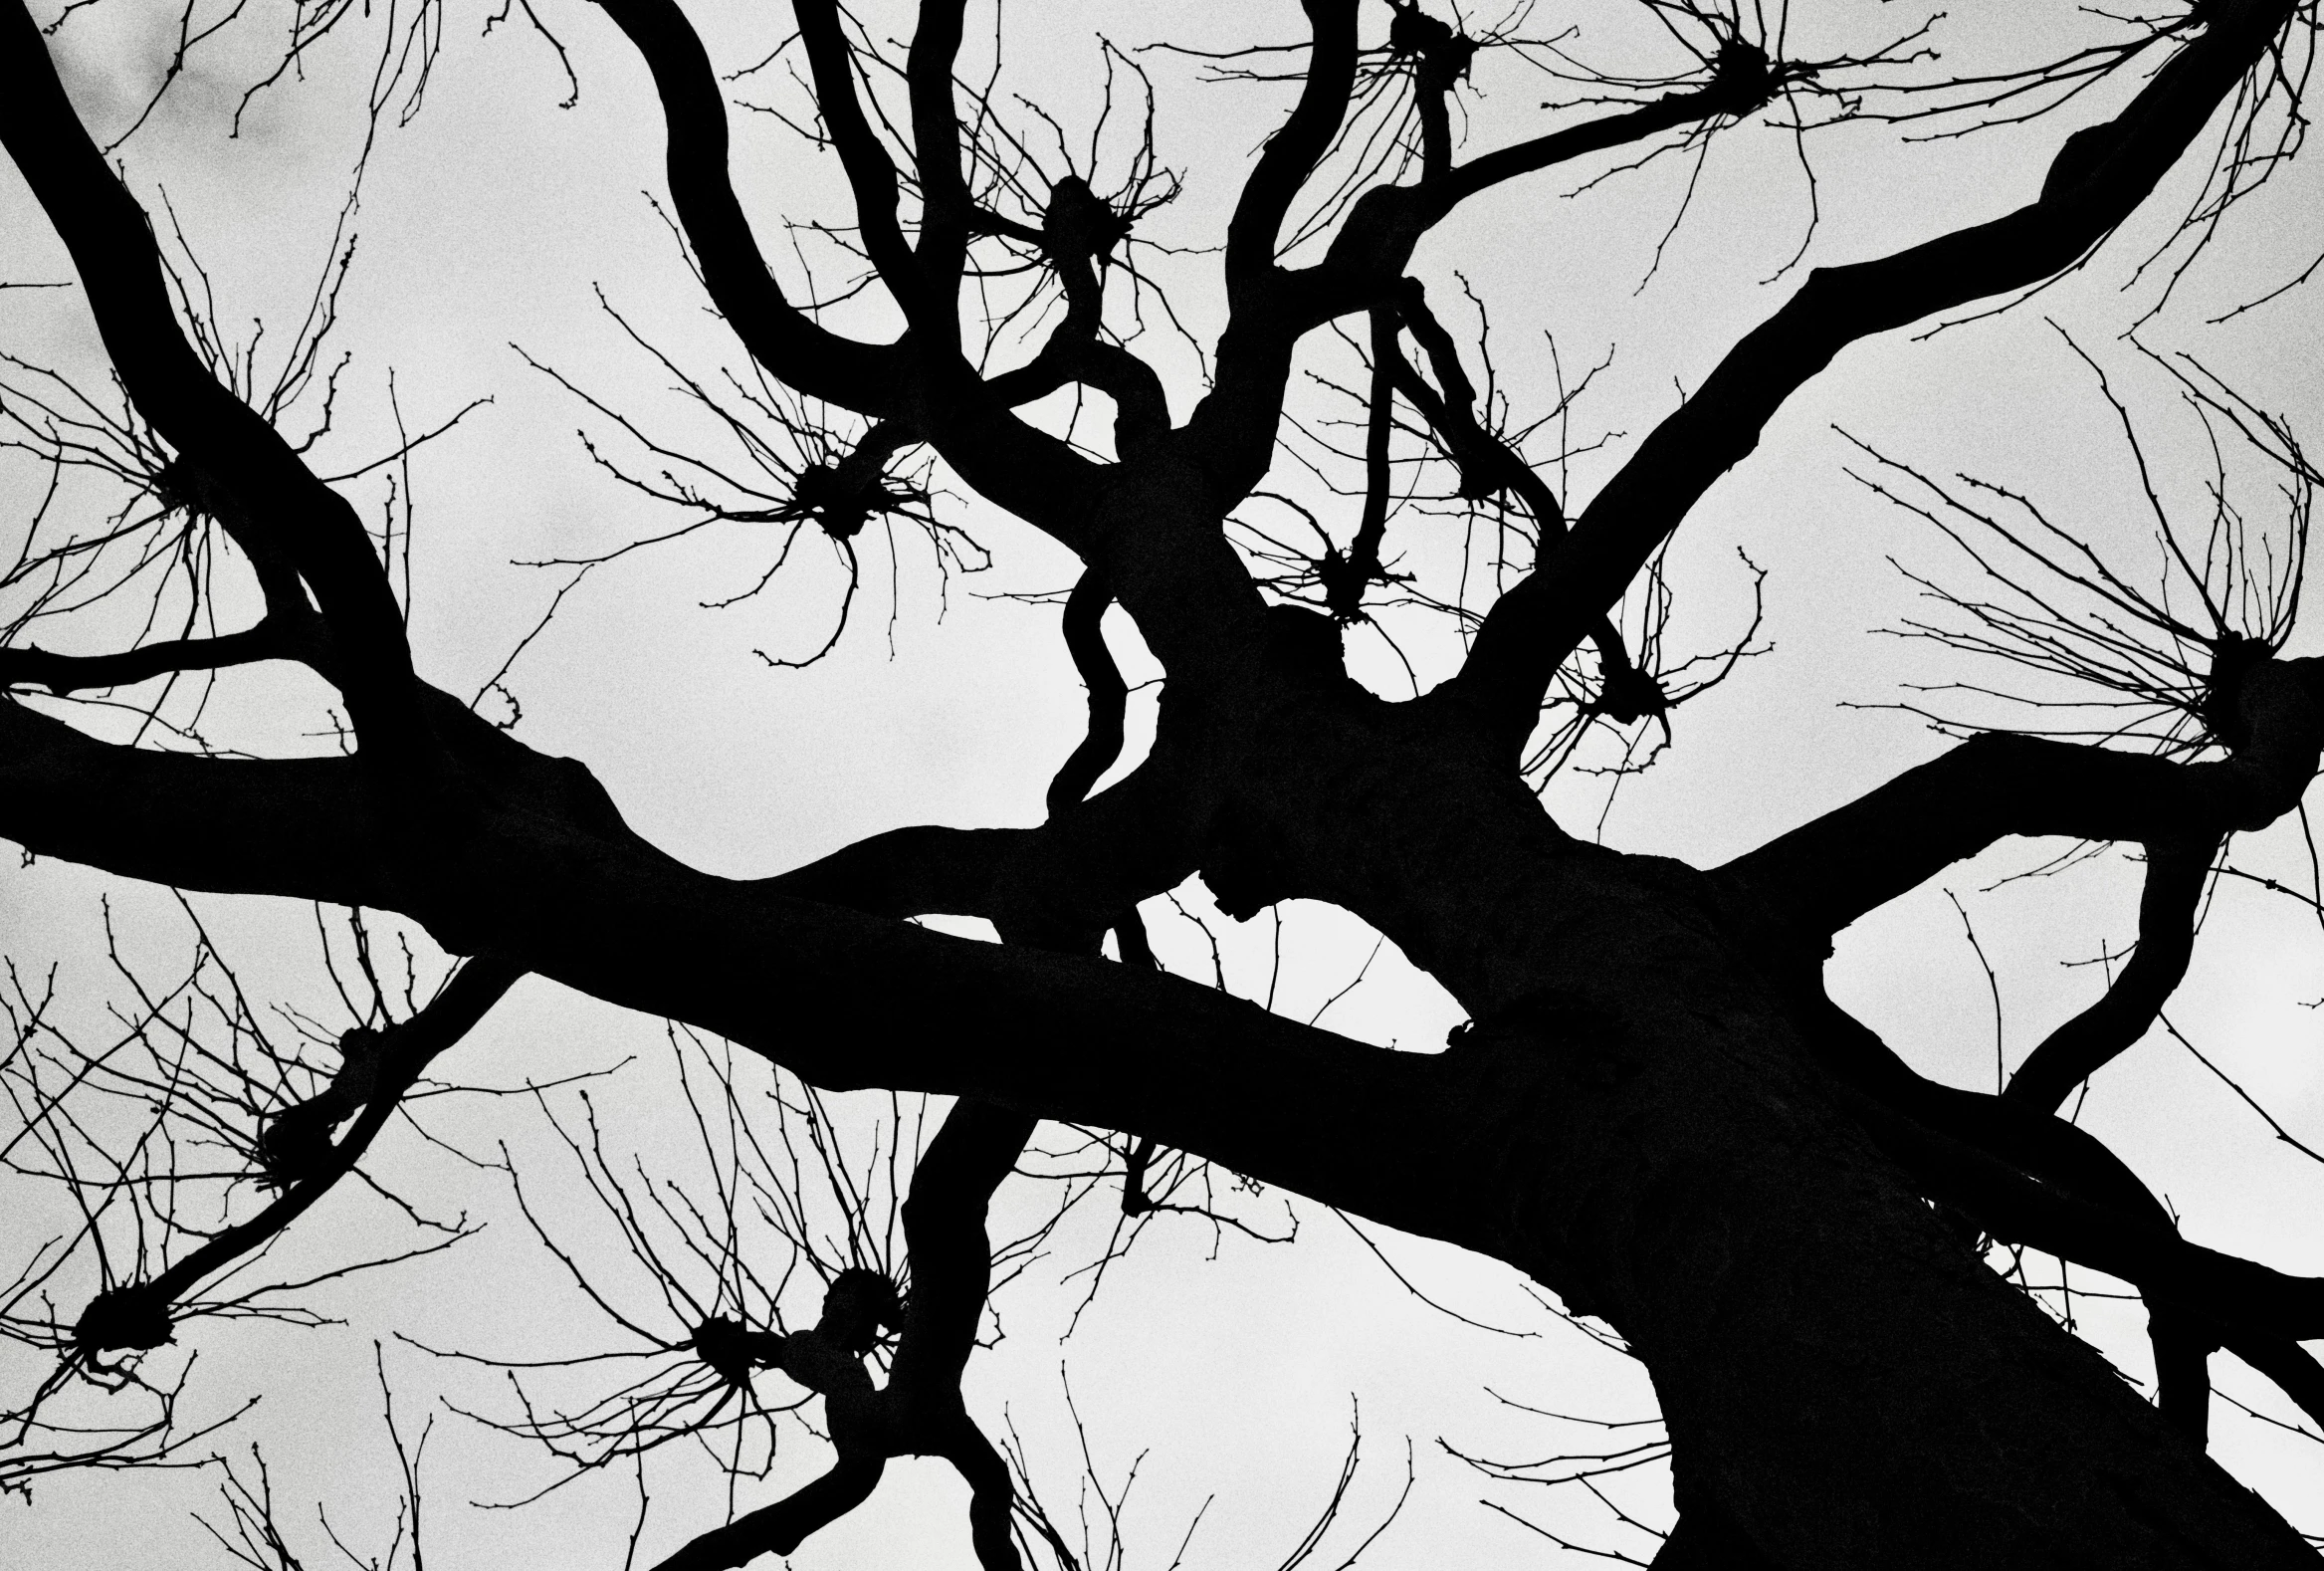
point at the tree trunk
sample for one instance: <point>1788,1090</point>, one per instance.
<point>1642,1128</point>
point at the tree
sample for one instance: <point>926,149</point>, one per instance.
<point>1655,1110</point>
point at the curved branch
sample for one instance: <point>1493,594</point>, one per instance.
<point>859,376</point>
<point>296,515</point>
<point>1030,473</point>
<point>1074,353</point>
<point>2176,876</point>
<point>2097,180</point>
<point>1109,695</point>
<point>1388,222</point>
<point>952,1256</point>
<point>1297,146</point>
<point>545,877</point>
<point>1230,437</point>
<point>1077,232</point>
<point>924,380</point>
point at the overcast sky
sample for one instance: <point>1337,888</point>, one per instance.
<point>493,219</point>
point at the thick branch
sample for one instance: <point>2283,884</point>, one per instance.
<point>922,871</point>
<point>870,173</point>
<point>869,1002</point>
<point>822,364</point>
<point>1019,467</point>
<point>1824,875</point>
<point>2097,181</point>
<point>296,513</point>
<point>2183,1345</point>
<point>1062,884</point>
<point>843,999</point>
<point>2029,1139</point>
<point>1293,152</point>
<point>991,1494</point>
<point>301,827</point>
<point>1074,353</point>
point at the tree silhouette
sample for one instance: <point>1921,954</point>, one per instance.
<point>1827,1261</point>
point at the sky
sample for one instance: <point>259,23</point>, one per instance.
<point>495,229</point>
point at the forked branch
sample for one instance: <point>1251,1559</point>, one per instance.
<point>302,1155</point>
<point>2096,182</point>
<point>289,512</point>
<point>859,376</point>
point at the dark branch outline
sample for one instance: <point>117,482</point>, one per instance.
<point>2095,182</point>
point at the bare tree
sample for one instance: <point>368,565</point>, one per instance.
<point>1831,1265</point>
